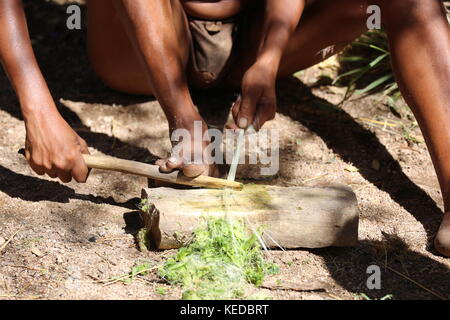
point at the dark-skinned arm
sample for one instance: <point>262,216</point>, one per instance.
<point>258,102</point>
<point>51,146</point>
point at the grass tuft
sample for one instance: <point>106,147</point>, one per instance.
<point>366,66</point>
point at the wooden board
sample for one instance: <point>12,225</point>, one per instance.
<point>292,217</point>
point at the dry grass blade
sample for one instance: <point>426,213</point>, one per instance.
<point>417,283</point>
<point>24,267</point>
<point>267,234</point>
<point>293,286</point>
<point>385,123</point>
<point>315,178</point>
<point>20,297</point>
<point>9,240</point>
<point>112,281</point>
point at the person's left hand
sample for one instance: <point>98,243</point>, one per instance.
<point>258,102</point>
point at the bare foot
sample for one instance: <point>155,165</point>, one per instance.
<point>191,139</point>
<point>442,240</point>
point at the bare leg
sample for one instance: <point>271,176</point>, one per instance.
<point>112,53</point>
<point>325,24</point>
<point>419,38</point>
<point>139,52</point>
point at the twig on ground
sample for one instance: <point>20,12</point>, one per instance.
<point>110,281</point>
<point>105,259</point>
<point>23,267</point>
<point>105,239</point>
<point>9,240</point>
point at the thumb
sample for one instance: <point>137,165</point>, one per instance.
<point>247,109</point>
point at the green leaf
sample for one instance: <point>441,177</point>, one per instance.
<point>378,60</point>
<point>349,73</point>
<point>353,59</point>
<point>374,84</point>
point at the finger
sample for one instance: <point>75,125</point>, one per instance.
<point>80,171</point>
<point>262,116</point>
<point>52,173</point>
<point>247,109</point>
<point>83,146</point>
<point>160,162</point>
<point>37,164</point>
<point>64,176</point>
<point>36,168</point>
<point>231,126</point>
<point>235,108</point>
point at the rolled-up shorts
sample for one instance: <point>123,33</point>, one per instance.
<point>213,50</point>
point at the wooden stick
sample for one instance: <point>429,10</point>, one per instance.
<point>152,172</point>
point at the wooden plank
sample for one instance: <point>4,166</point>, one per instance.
<point>293,217</point>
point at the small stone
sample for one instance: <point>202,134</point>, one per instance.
<point>36,252</point>
<point>376,164</point>
<point>59,259</point>
<point>351,168</point>
<point>92,239</point>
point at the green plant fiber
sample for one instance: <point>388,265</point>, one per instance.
<point>220,263</point>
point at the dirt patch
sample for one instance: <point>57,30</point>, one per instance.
<point>70,236</point>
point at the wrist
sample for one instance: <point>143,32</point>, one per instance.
<point>32,110</point>
<point>183,117</point>
<point>269,63</point>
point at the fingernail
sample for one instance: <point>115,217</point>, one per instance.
<point>243,123</point>
<point>251,129</point>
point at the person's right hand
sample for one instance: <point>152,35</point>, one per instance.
<point>52,147</point>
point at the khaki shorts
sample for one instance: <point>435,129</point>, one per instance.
<point>214,48</point>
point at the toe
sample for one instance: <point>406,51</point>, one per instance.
<point>174,163</point>
<point>194,170</point>
<point>162,163</point>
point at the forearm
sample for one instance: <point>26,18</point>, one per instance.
<point>18,60</point>
<point>150,26</point>
<point>280,21</point>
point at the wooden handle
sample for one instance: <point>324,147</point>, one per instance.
<point>152,171</point>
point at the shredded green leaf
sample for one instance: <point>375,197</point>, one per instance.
<point>220,263</point>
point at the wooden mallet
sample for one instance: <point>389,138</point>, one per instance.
<point>152,172</point>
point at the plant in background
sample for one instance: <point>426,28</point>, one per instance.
<point>366,67</point>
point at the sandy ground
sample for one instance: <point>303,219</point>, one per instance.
<point>66,236</point>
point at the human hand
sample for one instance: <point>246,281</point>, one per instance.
<point>258,103</point>
<point>52,147</point>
